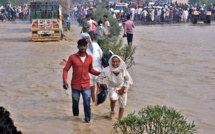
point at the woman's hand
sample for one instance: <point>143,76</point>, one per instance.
<point>98,84</point>
<point>122,91</point>
<point>99,89</point>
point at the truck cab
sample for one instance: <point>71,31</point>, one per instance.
<point>46,21</point>
<point>120,6</point>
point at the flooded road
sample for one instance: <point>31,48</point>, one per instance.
<point>174,66</point>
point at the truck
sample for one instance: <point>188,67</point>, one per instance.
<point>120,6</point>
<point>202,16</point>
<point>135,3</point>
<point>49,19</point>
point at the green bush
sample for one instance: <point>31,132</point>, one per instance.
<point>4,2</point>
<point>155,120</point>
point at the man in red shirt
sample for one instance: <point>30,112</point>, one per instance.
<point>81,63</point>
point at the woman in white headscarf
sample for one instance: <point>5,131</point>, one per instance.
<point>95,51</point>
<point>119,81</point>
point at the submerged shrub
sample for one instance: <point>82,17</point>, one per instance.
<point>155,120</point>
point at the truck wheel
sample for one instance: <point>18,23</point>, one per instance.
<point>195,19</point>
<point>208,19</point>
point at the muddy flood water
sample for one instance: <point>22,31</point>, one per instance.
<point>175,66</point>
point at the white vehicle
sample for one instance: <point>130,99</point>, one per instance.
<point>120,6</point>
<point>111,3</point>
<point>151,2</point>
<point>157,7</point>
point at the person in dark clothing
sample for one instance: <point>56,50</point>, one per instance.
<point>162,16</point>
<point>190,14</point>
<point>179,16</point>
<point>85,26</point>
<point>174,16</point>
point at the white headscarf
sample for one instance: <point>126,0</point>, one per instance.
<point>91,43</point>
<point>122,65</point>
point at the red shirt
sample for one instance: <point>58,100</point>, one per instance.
<point>80,75</point>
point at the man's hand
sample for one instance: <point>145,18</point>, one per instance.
<point>65,85</point>
<point>63,62</point>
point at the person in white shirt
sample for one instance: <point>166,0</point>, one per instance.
<point>119,81</point>
<point>107,24</point>
<point>159,15</point>
<point>136,13</point>
<point>90,31</point>
<point>152,14</point>
<point>185,15</point>
<point>95,51</point>
<point>132,13</point>
<point>145,13</point>
<point>139,13</point>
<point>85,10</point>
<point>113,14</point>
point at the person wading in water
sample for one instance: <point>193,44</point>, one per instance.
<point>82,65</point>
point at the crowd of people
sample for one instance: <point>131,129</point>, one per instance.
<point>168,13</point>
<point>85,12</point>
<point>10,13</point>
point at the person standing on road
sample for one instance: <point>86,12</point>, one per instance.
<point>92,25</point>
<point>185,15</point>
<point>85,25</point>
<point>82,65</point>
<point>132,13</point>
<point>159,15</point>
<point>107,24</point>
<point>145,14</point>
<point>119,15</point>
<point>152,14</point>
<point>129,25</point>
<point>100,32</point>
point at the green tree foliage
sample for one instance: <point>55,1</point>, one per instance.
<point>155,120</point>
<point>3,2</point>
<point>14,2</point>
<point>19,2</point>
